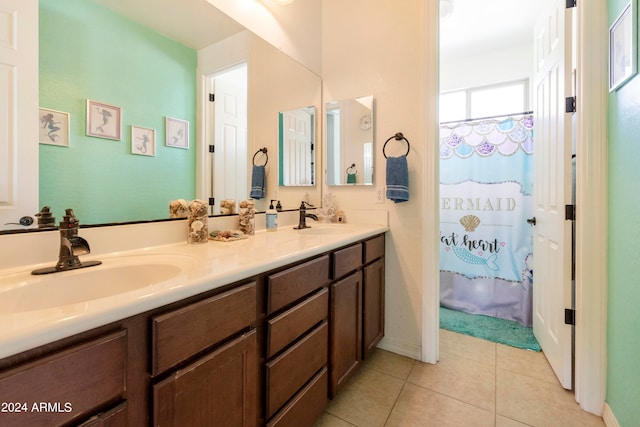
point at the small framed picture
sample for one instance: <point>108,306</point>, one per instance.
<point>54,127</point>
<point>623,47</point>
<point>177,133</point>
<point>143,141</point>
<point>103,120</point>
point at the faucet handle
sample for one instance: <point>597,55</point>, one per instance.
<point>303,203</point>
<point>69,220</point>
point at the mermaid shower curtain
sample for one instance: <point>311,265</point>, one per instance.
<point>486,196</point>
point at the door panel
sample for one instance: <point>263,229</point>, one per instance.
<point>18,110</point>
<point>552,188</point>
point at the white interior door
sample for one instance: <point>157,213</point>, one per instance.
<point>297,136</point>
<point>552,189</point>
<point>18,110</point>
<point>230,159</point>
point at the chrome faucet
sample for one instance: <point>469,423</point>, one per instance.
<point>302,223</point>
<point>71,246</point>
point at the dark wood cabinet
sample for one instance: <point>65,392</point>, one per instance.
<point>68,386</point>
<point>372,306</point>
<point>346,329</point>
<point>219,389</point>
<point>269,350</point>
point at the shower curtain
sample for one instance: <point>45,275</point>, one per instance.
<point>486,196</point>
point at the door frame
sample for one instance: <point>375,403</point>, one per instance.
<point>591,202</point>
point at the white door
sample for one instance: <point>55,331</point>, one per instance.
<point>552,189</point>
<point>298,163</point>
<point>230,166</point>
<point>18,110</point>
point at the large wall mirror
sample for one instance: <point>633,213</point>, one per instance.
<point>349,141</point>
<point>146,63</point>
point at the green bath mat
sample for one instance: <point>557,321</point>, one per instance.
<point>489,328</point>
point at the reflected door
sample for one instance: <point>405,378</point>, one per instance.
<point>297,126</point>
<point>230,157</point>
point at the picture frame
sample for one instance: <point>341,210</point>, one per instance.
<point>623,55</point>
<point>143,141</point>
<point>53,127</point>
<point>103,120</point>
<point>177,133</point>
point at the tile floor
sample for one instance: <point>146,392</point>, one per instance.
<point>476,383</point>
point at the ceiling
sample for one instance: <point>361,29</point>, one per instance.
<point>194,23</point>
<point>477,26</point>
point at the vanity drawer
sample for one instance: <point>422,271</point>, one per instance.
<point>307,406</point>
<point>347,260</point>
<point>78,380</point>
<point>373,249</point>
<point>287,373</point>
<point>285,328</point>
<point>179,334</point>
<point>294,283</point>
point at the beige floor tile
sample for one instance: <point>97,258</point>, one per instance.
<point>508,422</point>
<point>367,400</point>
<point>463,379</point>
<point>417,406</point>
<point>328,420</point>
<point>525,362</point>
<point>390,363</point>
<point>467,346</point>
<point>539,403</point>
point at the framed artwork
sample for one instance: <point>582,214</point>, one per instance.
<point>177,133</point>
<point>623,47</point>
<point>54,127</point>
<point>103,120</point>
<point>143,141</point>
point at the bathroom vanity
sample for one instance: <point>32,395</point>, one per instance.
<point>260,343</point>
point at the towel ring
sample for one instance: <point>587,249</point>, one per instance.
<point>398,137</point>
<point>262,150</point>
<point>352,167</point>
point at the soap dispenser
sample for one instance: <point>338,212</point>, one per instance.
<point>272,217</point>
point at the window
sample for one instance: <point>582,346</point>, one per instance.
<point>485,101</point>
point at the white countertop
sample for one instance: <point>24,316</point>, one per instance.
<point>211,265</point>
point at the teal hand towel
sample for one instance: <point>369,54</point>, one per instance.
<point>397,179</point>
<point>351,178</point>
<point>257,182</point>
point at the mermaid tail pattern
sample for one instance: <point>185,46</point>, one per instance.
<point>470,258</point>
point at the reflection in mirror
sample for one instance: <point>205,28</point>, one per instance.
<point>349,139</point>
<point>148,62</point>
<point>297,141</point>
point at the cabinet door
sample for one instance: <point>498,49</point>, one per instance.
<point>373,306</point>
<point>220,389</point>
<point>346,329</point>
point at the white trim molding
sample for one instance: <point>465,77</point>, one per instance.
<point>608,417</point>
<point>591,207</point>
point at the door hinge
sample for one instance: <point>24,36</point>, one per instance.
<point>212,201</point>
<point>570,212</point>
<point>569,316</point>
<point>212,148</point>
<point>570,104</point>
<point>571,3</point>
<point>212,97</point>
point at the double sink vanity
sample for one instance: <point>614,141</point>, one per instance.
<point>261,331</point>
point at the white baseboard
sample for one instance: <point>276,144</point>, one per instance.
<point>395,346</point>
<point>608,417</point>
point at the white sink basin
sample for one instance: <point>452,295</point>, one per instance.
<point>326,229</point>
<point>25,292</point>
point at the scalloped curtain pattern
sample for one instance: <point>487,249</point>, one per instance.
<point>487,137</point>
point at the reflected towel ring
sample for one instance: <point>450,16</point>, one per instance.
<point>262,150</point>
<point>398,137</point>
<point>352,170</point>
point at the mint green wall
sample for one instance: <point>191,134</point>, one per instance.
<point>89,52</point>
<point>623,372</point>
